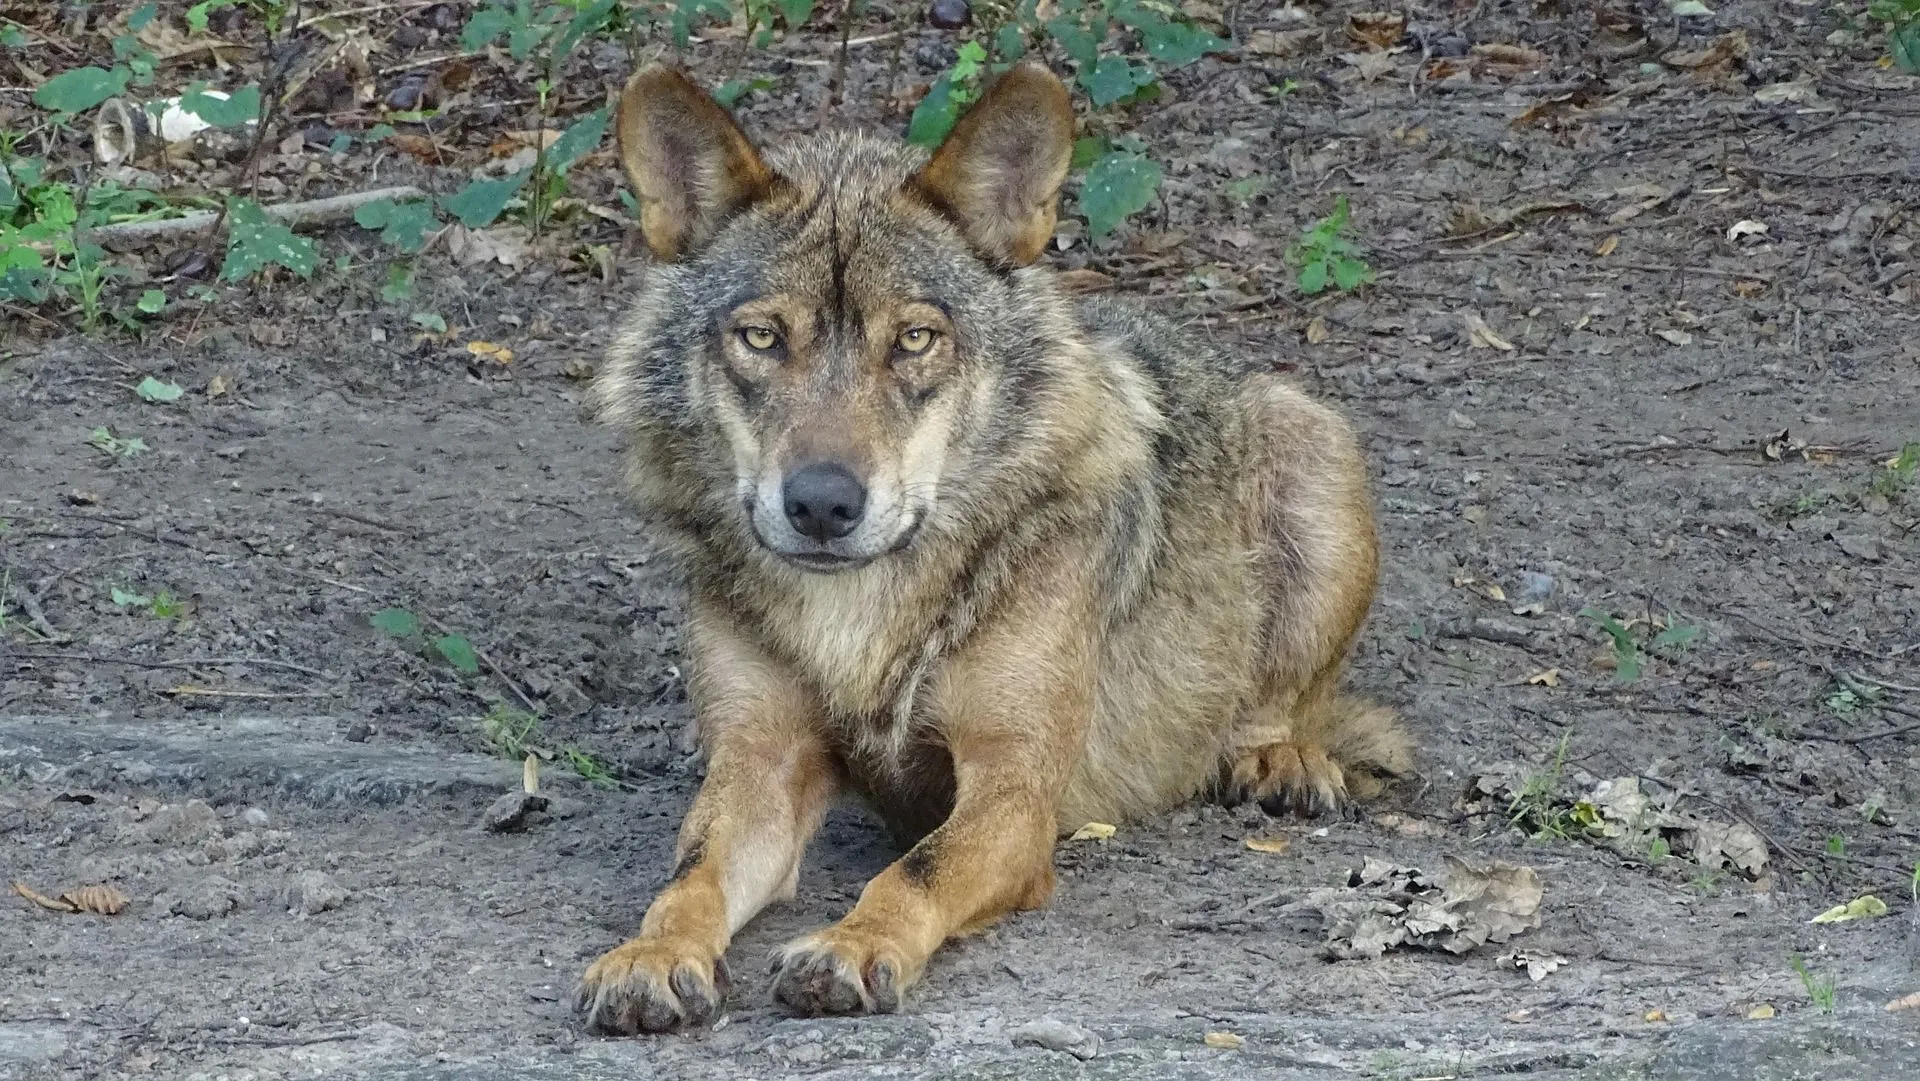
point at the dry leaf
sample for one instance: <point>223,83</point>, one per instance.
<point>1718,844</point>
<point>1092,831</point>
<point>1746,228</point>
<point>1482,335</point>
<point>1500,59</point>
<point>1608,246</point>
<point>1761,1012</point>
<point>1538,966</point>
<point>1905,1002</point>
<point>505,244</point>
<point>1377,29</point>
<point>418,147</point>
<point>219,385</point>
<point>1727,50</point>
<point>1224,1041</point>
<point>577,370</point>
<point>1866,906</point>
<point>1654,1017</point>
<point>1800,91</point>
<point>1748,289</point>
<point>1677,337</point>
<point>499,354</point>
<point>101,899</point>
<point>1271,845</point>
<point>1370,66</point>
<point>1317,330</point>
<point>1548,678</point>
<point>1554,111</point>
<point>1384,905</point>
<point>1281,42</point>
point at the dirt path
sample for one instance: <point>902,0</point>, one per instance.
<point>1627,451</point>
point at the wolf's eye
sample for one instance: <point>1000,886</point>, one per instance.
<point>759,338</point>
<point>917,340</point>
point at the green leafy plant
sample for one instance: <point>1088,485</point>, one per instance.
<point>1325,254</point>
<point>452,648</point>
<point>254,242</point>
<point>1902,20</point>
<point>1118,50</point>
<point>1536,808</point>
<point>508,731</point>
<point>1629,654</point>
<point>153,390</point>
<point>103,440</point>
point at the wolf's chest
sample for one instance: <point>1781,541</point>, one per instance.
<point>854,637</point>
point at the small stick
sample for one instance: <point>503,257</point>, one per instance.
<point>188,690</point>
<point>293,215</point>
<point>189,664</point>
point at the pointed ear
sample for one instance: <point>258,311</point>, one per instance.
<point>999,172</point>
<point>690,164</point>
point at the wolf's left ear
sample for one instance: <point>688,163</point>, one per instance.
<point>690,164</point>
<point>999,172</point>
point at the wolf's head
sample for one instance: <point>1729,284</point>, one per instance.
<point>838,330</point>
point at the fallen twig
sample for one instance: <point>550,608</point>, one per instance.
<point>189,664</point>
<point>295,215</point>
<point>481,655</point>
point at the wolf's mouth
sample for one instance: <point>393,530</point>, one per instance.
<point>822,562</point>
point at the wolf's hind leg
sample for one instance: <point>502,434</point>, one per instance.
<point>1301,743</point>
<point>1316,755</point>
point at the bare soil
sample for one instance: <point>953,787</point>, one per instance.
<point>1667,417</point>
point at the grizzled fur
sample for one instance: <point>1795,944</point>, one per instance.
<point>1102,567</point>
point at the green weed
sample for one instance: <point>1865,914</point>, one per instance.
<point>1536,808</point>
<point>1326,254</point>
<point>1902,20</point>
<point>1820,989</point>
<point>103,440</point>
<point>507,731</point>
<point>1630,653</point>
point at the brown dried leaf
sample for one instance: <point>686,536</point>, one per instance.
<point>1548,678</point>
<point>1273,846</point>
<point>1084,281</point>
<point>493,351</point>
<point>1377,29</point>
<point>1482,336</point>
<point>1093,831</point>
<point>418,147</point>
<point>1369,66</point>
<point>49,903</point>
<point>1317,330</point>
<point>101,899</point>
<point>1727,49</point>
<point>1502,59</point>
<point>1608,246</point>
<point>1224,1041</point>
<point>1263,43</point>
<point>1905,1002</point>
<point>577,370</point>
<point>507,245</point>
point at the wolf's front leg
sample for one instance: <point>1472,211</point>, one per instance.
<point>1015,707</point>
<point>770,779</point>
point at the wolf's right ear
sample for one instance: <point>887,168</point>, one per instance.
<point>999,172</point>
<point>690,164</point>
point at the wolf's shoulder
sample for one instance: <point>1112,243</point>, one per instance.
<point>1186,368</point>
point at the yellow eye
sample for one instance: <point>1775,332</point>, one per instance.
<point>759,338</point>
<point>917,340</point>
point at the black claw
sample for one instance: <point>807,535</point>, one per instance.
<point>696,1003</point>
<point>1275,805</point>
<point>880,984</point>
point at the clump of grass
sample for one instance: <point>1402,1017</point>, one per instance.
<point>1820,989</point>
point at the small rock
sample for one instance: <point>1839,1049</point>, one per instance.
<point>1529,598</point>
<point>1861,546</point>
<point>948,14</point>
<point>1057,1035</point>
<point>512,813</point>
<point>313,893</point>
<point>204,899</point>
<point>254,816</point>
<point>358,732</point>
<point>1457,419</point>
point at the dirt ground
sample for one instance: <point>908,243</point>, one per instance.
<point>1580,367</point>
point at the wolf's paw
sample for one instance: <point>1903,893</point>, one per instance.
<point>840,971</point>
<point>652,985</point>
<point>1283,777</point>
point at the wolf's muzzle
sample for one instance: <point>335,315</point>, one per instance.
<point>824,501</point>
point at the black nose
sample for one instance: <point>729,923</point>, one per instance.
<point>824,500</point>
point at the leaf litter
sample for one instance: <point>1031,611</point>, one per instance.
<point>100,899</point>
<point>1620,814</point>
<point>1384,905</point>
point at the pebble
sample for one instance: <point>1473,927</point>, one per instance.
<point>512,813</point>
<point>1055,1035</point>
<point>313,893</point>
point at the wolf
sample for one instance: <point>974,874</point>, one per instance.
<point>996,557</point>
